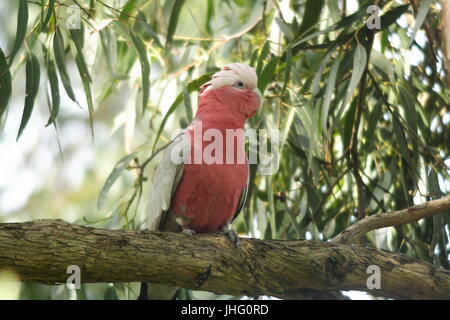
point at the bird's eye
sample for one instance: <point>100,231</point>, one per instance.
<point>239,85</point>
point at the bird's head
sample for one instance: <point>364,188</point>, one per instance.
<point>232,91</point>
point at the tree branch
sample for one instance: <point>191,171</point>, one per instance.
<point>41,251</point>
<point>382,220</point>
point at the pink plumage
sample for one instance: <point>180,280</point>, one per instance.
<point>204,197</point>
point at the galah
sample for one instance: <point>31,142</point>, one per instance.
<point>192,196</point>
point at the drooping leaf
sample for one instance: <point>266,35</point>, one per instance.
<point>408,103</point>
<point>348,125</point>
<point>22,22</point>
<point>86,79</point>
<point>391,16</point>
<point>50,10</point>
<point>54,88</point>
<point>31,90</point>
<point>128,9</point>
<point>339,25</point>
<point>285,29</point>
<point>77,37</point>
<point>173,21</point>
<point>420,18</point>
<point>58,49</point>
<point>187,105</point>
<point>328,93</point>
<point>359,65</point>
<point>194,85</point>
<point>383,64</point>
<point>310,17</point>
<point>145,69</point>
<point>287,70</point>
<point>112,178</point>
<point>146,30</point>
<point>5,84</point>
<point>263,55</point>
<point>316,82</point>
<point>267,74</point>
<point>374,117</point>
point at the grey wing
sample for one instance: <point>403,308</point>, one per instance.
<point>165,181</point>
<point>242,198</point>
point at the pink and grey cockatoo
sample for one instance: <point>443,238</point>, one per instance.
<point>192,196</point>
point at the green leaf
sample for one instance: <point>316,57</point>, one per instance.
<point>435,192</point>
<point>315,89</point>
<point>171,110</point>
<point>408,103</point>
<point>287,71</point>
<point>359,65</point>
<point>374,117</point>
<point>348,125</point>
<point>194,85</point>
<point>383,64</point>
<point>187,104</point>
<point>267,75</point>
<point>173,21</point>
<point>86,79</point>
<point>285,29</point>
<point>22,22</point>
<point>328,93</point>
<point>31,90</point>
<point>401,140</point>
<point>77,37</point>
<point>50,9</point>
<point>5,84</point>
<point>112,178</point>
<point>420,18</point>
<point>311,16</point>
<point>391,16</point>
<point>146,31</point>
<point>264,53</point>
<point>58,49</point>
<point>54,88</point>
<point>145,69</point>
<point>341,24</point>
<point>128,9</point>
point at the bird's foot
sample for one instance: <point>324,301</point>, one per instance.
<point>233,236</point>
<point>189,232</point>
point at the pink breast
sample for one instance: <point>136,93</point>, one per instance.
<point>208,195</point>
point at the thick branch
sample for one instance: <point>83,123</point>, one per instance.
<point>382,220</point>
<point>41,251</point>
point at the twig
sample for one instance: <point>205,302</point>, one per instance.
<point>382,220</point>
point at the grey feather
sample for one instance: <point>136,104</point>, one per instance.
<point>166,179</point>
<point>243,197</point>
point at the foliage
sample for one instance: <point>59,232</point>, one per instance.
<point>363,114</point>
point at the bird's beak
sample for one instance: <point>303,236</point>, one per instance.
<point>258,93</point>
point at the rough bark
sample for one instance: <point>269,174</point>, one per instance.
<point>41,251</point>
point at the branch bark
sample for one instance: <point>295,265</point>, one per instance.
<point>382,220</point>
<point>41,251</point>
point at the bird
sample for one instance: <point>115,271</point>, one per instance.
<point>192,195</point>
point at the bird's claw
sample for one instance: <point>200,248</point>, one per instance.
<point>233,236</point>
<point>189,232</point>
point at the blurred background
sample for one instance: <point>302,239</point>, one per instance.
<point>354,142</point>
